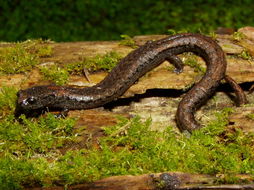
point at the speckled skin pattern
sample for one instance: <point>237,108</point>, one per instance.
<point>130,69</point>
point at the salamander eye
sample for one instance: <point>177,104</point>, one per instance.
<point>30,100</point>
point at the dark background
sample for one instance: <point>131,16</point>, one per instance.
<point>76,20</point>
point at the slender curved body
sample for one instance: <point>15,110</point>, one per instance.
<point>130,69</point>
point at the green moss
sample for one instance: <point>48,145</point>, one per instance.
<point>22,57</point>
<point>250,116</point>
<point>127,41</point>
<point>60,75</point>
<point>127,150</point>
<point>31,136</point>
<point>29,150</point>
<point>229,179</point>
<point>193,63</point>
<point>190,60</point>
<point>245,55</point>
<point>56,74</point>
<point>105,62</point>
<point>173,32</point>
<point>76,67</point>
<point>13,172</point>
<point>26,149</point>
<point>227,46</point>
<point>132,148</point>
<point>45,51</point>
<point>99,62</point>
<point>8,99</point>
<point>16,60</point>
<point>238,36</point>
<point>39,47</point>
<point>213,35</point>
<point>27,144</point>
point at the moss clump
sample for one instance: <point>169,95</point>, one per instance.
<point>8,97</point>
<point>245,55</point>
<point>104,62</point>
<point>99,62</point>
<point>16,60</point>
<point>127,41</point>
<point>28,149</point>
<point>56,74</point>
<point>213,35</point>
<point>60,75</point>
<point>132,148</point>
<point>193,63</point>
<point>173,32</point>
<point>39,47</point>
<point>250,116</point>
<point>238,36</point>
<point>31,136</point>
<point>45,51</point>
<point>23,56</point>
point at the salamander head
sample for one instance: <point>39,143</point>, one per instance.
<point>34,98</point>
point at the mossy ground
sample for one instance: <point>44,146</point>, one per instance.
<point>22,57</point>
<point>60,74</point>
<point>99,62</point>
<point>30,149</point>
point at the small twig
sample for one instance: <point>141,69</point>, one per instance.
<point>121,130</point>
<point>86,74</point>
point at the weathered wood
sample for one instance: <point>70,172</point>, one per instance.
<point>154,182</point>
<point>240,69</point>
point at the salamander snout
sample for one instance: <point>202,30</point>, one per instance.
<point>25,101</point>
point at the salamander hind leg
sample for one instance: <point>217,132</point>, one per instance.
<point>240,95</point>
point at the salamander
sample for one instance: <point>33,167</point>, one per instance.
<point>134,66</point>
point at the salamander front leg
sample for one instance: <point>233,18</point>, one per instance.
<point>177,62</point>
<point>63,113</point>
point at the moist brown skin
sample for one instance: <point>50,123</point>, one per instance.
<point>130,69</point>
